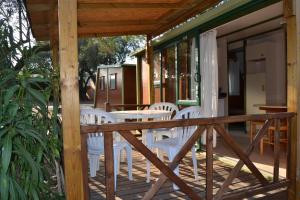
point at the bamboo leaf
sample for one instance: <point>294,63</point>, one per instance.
<point>4,189</point>
<point>9,93</point>
<point>13,109</point>
<point>21,151</point>
<point>6,153</point>
<point>3,131</point>
<point>37,95</point>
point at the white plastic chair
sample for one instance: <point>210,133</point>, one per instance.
<point>159,133</point>
<point>171,146</point>
<point>95,142</point>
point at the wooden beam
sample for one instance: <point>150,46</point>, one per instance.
<point>180,123</point>
<point>209,163</point>
<point>149,58</point>
<point>293,96</point>
<point>74,177</point>
<point>109,165</point>
<point>119,23</point>
<point>137,5</point>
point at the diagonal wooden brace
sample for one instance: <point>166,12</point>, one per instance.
<point>180,155</point>
<point>159,164</point>
<point>239,151</point>
<point>240,163</point>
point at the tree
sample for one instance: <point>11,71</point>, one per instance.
<point>106,51</point>
<point>29,136</point>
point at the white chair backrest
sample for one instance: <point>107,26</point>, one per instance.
<point>165,106</point>
<point>184,133</point>
<point>96,116</point>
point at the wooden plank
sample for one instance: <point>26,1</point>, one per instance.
<point>178,123</point>
<point>137,5</point>
<point>183,151</point>
<point>134,190</point>
<point>238,150</point>
<point>158,163</point>
<point>255,190</point>
<point>109,165</point>
<point>74,178</point>
<point>180,17</point>
<point>240,164</point>
<point>209,163</point>
<point>292,97</point>
<point>85,168</point>
<point>276,151</point>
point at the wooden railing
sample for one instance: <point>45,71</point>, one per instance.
<point>204,124</point>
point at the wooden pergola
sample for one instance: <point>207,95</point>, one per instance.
<point>64,21</point>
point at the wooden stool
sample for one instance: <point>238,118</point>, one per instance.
<point>253,125</point>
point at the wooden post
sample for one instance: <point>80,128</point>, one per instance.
<point>53,17</point>
<point>107,107</point>
<point>74,177</point>
<point>109,165</point>
<point>293,92</point>
<point>149,58</point>
<point>276,150</point>
<point>138,79</point>
<point>209,163</point>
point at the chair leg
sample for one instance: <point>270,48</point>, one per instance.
<point>251,131</point>
<point>195,163</point>
<point>148,165</point>
<point>129,161</point>
<point>261,149</point>
<point>171,155</point>
<point>98,164</point>
<point>93,161</point>
<point>159,154</point>
<point>116,165</point>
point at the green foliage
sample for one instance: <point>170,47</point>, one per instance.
<point>27,141</point>
<point>30,141</point>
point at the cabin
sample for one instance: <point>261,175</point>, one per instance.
<point>256,44</point>
<point>116,84</point>
<point>256,38</point>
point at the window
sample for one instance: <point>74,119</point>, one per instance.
<point>187,70</point>
<point>102,82</point>
<point>113,81</point>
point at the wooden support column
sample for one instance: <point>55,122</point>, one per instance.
<point>138,79</point>
<point>74,176</point>
<point>53,18</point>
<point>149,58</point>
<point>293,95</point>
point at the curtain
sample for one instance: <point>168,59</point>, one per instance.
<point>193,60</point>
<point>209,77</point>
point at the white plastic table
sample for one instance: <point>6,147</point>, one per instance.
<point>140,114</point>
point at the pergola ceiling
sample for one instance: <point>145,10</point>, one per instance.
<point>117,17</point>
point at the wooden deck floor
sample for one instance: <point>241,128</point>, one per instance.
<point>136,188</point>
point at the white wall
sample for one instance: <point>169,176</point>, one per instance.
<point>271,48</point>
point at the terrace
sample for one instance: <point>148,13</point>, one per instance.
<point>63,21</point>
